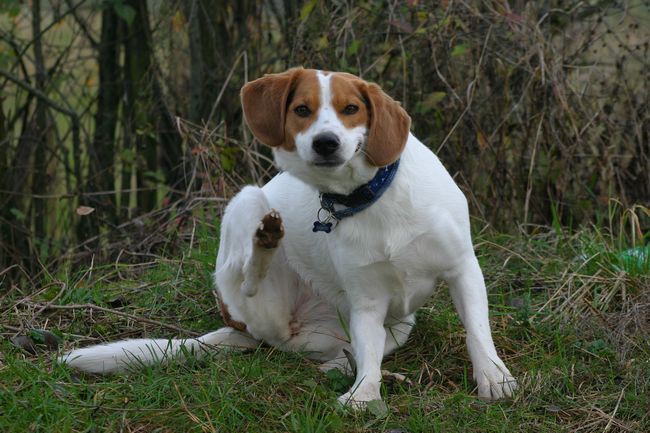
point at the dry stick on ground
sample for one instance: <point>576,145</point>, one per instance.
<point>64,286</point>
<point>13,286</point>
<point>28,297</point>
<point>19,329</point>
<point>611,420</point>
<point>117,313</point>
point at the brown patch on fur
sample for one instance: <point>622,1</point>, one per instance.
<point>265,101</point>
<point>306,92</point>
<point>389,127</point>
<point>227,318</point>
<point>270,231</point>
<point>388,123</point>
<point>346,90</point>
<point>268,104</point>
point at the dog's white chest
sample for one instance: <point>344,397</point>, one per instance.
<point>361,254</point>
<point>398,246</point>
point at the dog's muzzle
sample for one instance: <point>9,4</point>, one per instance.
<point>325,147</point>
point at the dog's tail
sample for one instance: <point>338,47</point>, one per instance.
<point>121,355</point>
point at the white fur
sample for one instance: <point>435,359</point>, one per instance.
<point>118,356</point>
<point>355,289</point>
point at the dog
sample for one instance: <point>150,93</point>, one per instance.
<point>336,253</point>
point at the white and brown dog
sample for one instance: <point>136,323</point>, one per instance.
<point>338,251</point>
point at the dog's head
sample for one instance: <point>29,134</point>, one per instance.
<point>321,124</point>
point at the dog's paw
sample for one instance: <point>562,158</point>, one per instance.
<point>495,381</point>
<point>270,230</point>
<point>358,400</point>
<point>359,397</point>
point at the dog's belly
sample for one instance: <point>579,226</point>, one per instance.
<point>418,283</point>
<point>406,298</point>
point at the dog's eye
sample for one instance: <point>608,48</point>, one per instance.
<point>350,109</point>
<point>302,111</point>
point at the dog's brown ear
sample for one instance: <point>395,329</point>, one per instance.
<point>389,127</point>
<point>265,103</point>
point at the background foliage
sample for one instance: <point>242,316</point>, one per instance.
<point>122,107</point>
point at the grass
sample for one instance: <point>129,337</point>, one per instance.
<point>569,315</point>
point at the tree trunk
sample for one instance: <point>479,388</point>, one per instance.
<point>39,168</point>
<point>139,103</point>
<point>158,143</point>
<point>217,34</point>
<point>101,176</point>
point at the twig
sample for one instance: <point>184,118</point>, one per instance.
<point>611,417</point>
<point>470,90</point>
<point>189,254</point>
<point>522,258</point>
<point>223,87</point>
<point>20,329</point>
<point>68,195</point>
<point>40,95</point>
<point>82,24</point>
<point>74,118</point>
<point>529,187</point>
<point>50,302</point>
<point>117,313</point>
<point>20,268</point>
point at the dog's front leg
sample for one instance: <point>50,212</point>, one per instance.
<point>469,294</point>
<point>368,339</point>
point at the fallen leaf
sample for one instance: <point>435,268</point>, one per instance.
<point>306,9</point>
<point>459,50</point>
<point>390,377</point>
<point>41,336</point>
<point>517,303</point>
<point>378,408</point>
<point>25,343</point>
<point>402,25</point>
<point>85,210</point>
<point>482,140</point>
<point>178,21</point>
<point>119,301</point>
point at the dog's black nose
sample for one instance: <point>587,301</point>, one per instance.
<point>325,144</point>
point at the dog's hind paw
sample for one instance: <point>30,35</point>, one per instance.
<point>270,230</point>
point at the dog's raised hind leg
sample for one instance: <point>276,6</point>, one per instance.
<point>265,243</point>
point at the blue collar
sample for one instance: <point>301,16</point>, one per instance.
<point>360,199</point>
